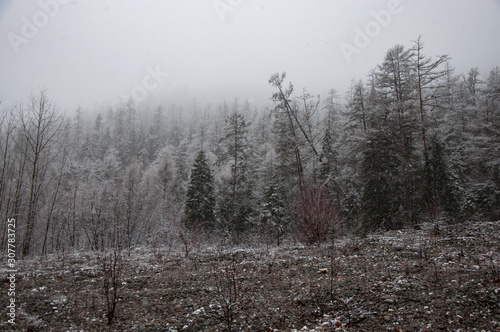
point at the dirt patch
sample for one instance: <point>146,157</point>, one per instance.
<point>402,281</point>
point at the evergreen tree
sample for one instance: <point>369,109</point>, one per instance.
<point>328,163</point>
<point>288,158</point>
<point>328,169</point>
<point>379,199</point>
<point>395,126</point>
<point>493,133</point>
<point>273,215</point>
<point>286,129</point>
<point>440,193</point>
<point>357,107</point>
<point>236,201</point>
<point>200,200</point>
<point>482,139</point>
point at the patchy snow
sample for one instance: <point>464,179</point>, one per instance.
<point>404,280</point>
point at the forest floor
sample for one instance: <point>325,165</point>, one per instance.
<point>411,280</point>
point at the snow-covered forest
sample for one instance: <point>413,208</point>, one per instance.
<point>413,142</point>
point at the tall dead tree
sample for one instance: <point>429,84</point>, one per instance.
<point>428,75</point>
<point>282,98</point>
<point>55,190</point>
<point>40,124</point>
<point>7,170</point>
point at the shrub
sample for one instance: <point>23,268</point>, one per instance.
<point>317,216</point>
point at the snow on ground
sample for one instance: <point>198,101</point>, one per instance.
<point>409,280</point>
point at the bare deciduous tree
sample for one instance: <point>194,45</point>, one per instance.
<point>40,123</point>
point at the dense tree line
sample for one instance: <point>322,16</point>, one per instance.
<point>414,142</point>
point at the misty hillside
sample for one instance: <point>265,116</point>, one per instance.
<point>415,143</point>
<point>249,165</point>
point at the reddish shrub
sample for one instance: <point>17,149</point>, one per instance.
<point>317,216</point>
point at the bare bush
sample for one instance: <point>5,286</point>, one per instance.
<point>230,290</point>
<point>190,238</point>
<point>493,271</point>
<point>317,216</point>
<point>324,294</point>
<point>111,263</point>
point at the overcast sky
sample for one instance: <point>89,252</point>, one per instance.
<point>94,51</point>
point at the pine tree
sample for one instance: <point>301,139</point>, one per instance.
<point>440,193</point>
<point>493,134</point>
<point>397,124</point>
<point>295,124</point>
<point>200,200</point>
<point>357,107</point>
<point>429,75</point>
<point>328,168</point>
<point>236,203</point>
<point>288,169</point>
<point>328,162</point>
<point>273,215</point>
<point>288,138</point>
<point>379,199</point>
<point>482,142</point>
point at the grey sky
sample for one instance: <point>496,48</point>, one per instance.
<point>91,52</point>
